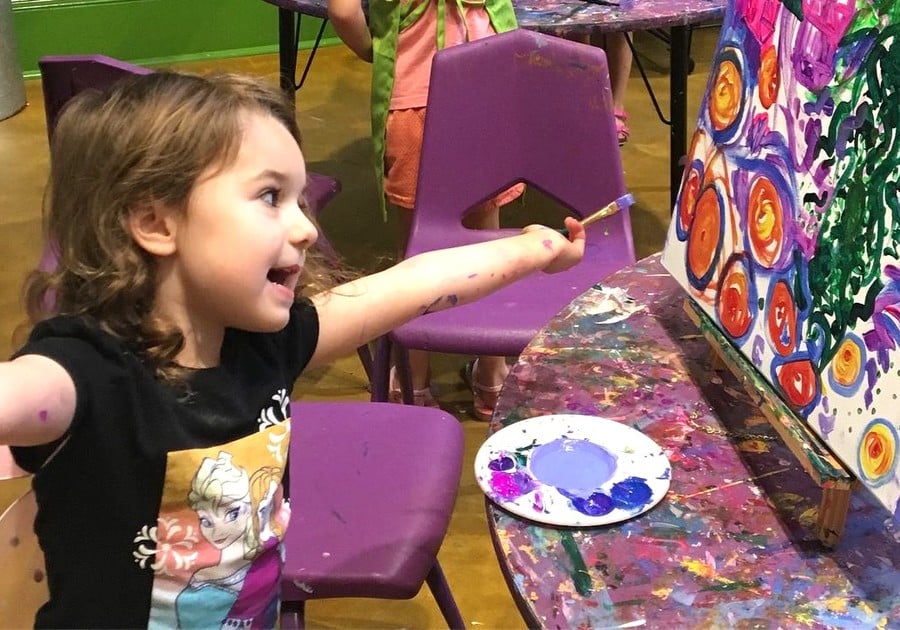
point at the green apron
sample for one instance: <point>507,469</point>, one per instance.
<point>387,18</point>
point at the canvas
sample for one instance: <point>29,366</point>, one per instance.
<point>787,225</point>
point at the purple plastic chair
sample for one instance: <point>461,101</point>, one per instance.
<point>63,76</point>
<point>372,488</point>
<point>519,106</point>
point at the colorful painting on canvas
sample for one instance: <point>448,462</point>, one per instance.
<point>787,225</point>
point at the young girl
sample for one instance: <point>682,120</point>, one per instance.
<point>404,36</point>
<point>174,339</point>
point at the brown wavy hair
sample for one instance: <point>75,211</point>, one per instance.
<point>146,139</point>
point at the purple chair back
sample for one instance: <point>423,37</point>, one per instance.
<point>518,106</point>
<point>64,76</point>
<point>521,106</point>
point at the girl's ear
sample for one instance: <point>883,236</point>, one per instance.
<point>152,226</point>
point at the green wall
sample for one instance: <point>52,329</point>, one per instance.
<point>150,31</point>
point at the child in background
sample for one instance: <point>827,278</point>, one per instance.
<point>403,39</point>
<point>618,57</point>
<point>173,338</point>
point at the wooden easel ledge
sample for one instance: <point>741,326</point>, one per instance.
<point>817,460</point>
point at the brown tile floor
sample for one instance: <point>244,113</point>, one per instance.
<point>333,113</point>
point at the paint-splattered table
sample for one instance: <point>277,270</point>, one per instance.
<point>571,19</point>
<point>729,545</point>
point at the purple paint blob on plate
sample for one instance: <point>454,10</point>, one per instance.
<point>575,465</point>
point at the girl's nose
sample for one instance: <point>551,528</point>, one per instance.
<point>301,231</point>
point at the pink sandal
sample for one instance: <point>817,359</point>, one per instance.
<point>421,397</point>
<point>484,397</point>
<point>622,130</point>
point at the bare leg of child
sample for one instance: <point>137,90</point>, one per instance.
<point>419,368</point>
<point>618,58</point>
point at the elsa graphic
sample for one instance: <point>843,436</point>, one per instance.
<point>257,603</point>
<point>220,495</point>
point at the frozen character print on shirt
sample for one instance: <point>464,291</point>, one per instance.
<point>218,539</point>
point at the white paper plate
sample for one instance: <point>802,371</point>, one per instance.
<point>572,470</point>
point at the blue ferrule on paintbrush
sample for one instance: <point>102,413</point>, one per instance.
<point>622,203</point>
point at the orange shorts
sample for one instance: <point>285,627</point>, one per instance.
<point>403,148</point>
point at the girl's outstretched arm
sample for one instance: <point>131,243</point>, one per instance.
<point>349,23</point>
<point>362,310</point>
<point>37,400</point>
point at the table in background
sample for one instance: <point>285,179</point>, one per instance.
<point>728,546</point>
<point>570,19</point>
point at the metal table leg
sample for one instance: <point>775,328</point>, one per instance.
<point>679,63</point>
<point>288,42</point>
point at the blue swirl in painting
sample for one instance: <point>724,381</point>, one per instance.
<point>725,112</point>
<point>846,371</point>
<point>704,241</point>
<point>878,452</point>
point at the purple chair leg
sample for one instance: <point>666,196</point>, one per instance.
<point>441,591</point>
<point>381,369</point>
<point>293,615</point>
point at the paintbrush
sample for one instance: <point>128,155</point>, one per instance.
<point>622,203</point>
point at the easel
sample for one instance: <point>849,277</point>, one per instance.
<point>821,465</point>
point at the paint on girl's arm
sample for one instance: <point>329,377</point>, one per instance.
<point>472,275</point>
<point>453,299</point>
<point>428,309</point>
<point>42,414</point>
<point>548,244</point>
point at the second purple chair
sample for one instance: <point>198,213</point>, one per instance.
<point>63,76</point>
<point>515,107</point>
<point>372,488</point>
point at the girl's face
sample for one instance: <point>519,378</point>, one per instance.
<point>241,244</point>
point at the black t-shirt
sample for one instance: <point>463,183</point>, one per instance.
<point>163,505</point>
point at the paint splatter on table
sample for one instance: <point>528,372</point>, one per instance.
<point>729,545</point>
<point>568,18</point>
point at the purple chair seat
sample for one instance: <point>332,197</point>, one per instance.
<point>372,488</point>
<point>515,107</point>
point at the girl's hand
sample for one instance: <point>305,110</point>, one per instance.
<point>565,252</point>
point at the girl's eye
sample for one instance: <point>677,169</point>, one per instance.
<point>271,196</point>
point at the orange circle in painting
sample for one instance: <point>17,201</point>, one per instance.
<point>725,98</point>
<point>703,240</point>
<point>781,318</point>
<point>733,301</point>
<point>765,221</point>
<point>689,191</point>
<point>798,382</point>
<point>877,450</point>
<point>847,363</point>
<point>768,76</point>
